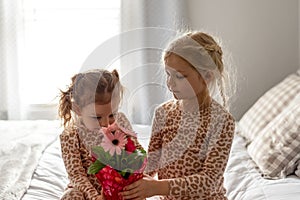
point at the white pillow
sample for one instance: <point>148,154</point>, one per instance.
<point>276,151</point>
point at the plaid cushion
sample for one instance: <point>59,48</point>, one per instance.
<point>277,151</point>
<point>269,106</point>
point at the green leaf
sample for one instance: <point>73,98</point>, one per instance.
<point>98,150</point>
<point>102,155</point>
<point>95,167</point>
<point>142,151</point>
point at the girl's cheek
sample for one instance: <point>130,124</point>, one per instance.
<point>92,124</point>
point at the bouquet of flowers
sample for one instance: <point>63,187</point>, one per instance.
<point>117,162</point>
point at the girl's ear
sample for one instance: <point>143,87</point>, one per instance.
<point>76,109</point>
<point>208,76</point>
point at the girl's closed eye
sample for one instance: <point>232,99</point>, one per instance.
<point>112,115</point>
<point>177,75</point>
<point>96,117</point>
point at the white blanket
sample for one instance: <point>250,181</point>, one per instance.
<point>244,182</point>
<point>22,143</point>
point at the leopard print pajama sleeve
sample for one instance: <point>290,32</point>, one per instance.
<point>155,145</point>
<point>76,161</point>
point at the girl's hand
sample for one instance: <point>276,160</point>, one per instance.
<point>139,189</point>
<point>101,197</point>
<point>145,187</point>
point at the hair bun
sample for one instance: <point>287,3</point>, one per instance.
<point>213,48</point>
<point>115,72</point>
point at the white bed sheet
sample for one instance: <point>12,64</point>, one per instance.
<point>244,182</point>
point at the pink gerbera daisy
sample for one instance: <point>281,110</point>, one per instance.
<point>116,126</point>
<point>114,141</point>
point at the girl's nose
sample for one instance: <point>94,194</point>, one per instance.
<point>171,83</point>
<point>104,122</point>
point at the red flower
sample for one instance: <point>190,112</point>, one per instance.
<point>130,147</point>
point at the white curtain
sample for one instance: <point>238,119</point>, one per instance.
<point>147,27</point>
<point>10,50</point>
<point>42,44</point>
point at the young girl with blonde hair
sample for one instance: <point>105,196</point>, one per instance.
<point>191,134</point>
<point>90,102</point>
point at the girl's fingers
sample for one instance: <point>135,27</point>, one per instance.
<point>129,191</point>
<point>134,191</point>
<point>131,194</point>
<point>131,186</point>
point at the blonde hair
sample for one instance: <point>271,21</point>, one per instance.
<point>93,86</point>
<point>215,52</point>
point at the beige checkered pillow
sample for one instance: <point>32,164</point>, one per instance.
<point>269,106</point>
<point>277,150</point>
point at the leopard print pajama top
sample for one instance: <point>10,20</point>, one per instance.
<point>76,142</point>
<point>191,149</point>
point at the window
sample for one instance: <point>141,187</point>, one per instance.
<point>58,36</point>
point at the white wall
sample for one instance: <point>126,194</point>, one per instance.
<point>262,36</point>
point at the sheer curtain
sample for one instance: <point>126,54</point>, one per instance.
<point>147,27</point>
<point>10,50</point>
<point>43,43</point>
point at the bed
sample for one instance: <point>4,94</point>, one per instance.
<point>32,168</point>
